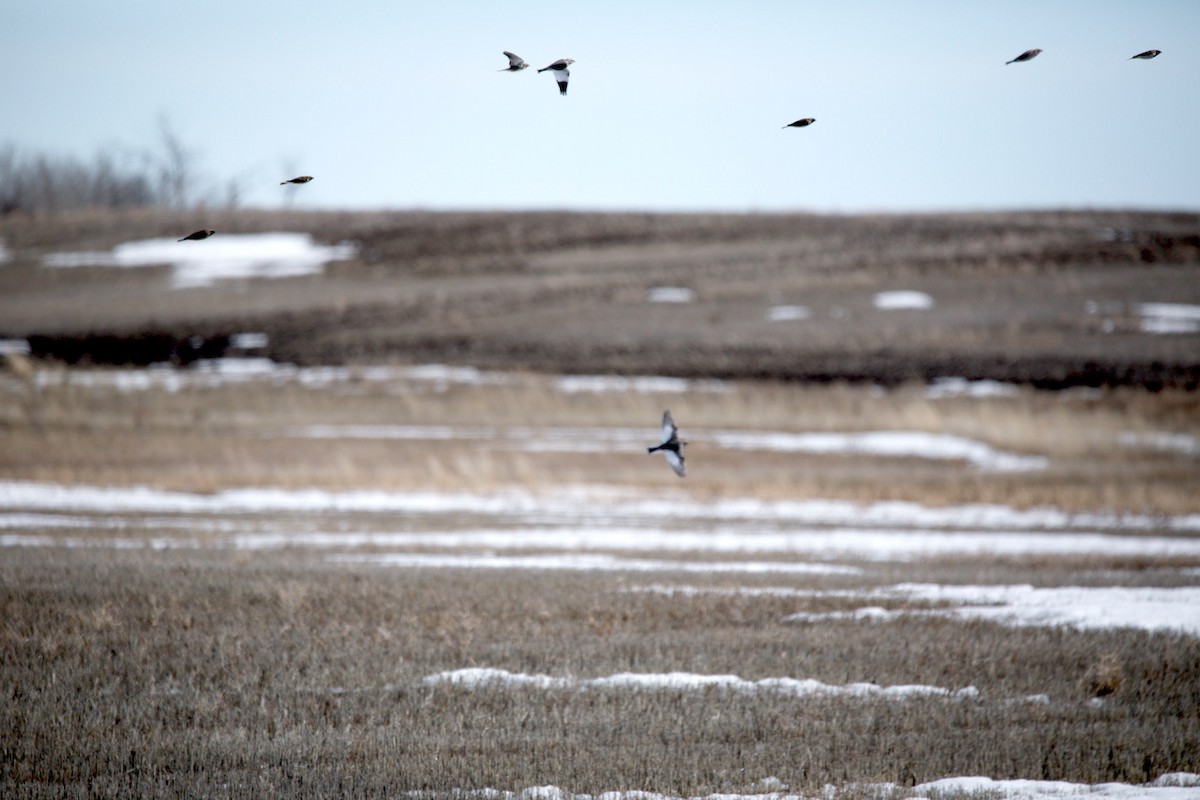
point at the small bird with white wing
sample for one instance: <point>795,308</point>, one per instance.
<point>671,445</point>
<point>561,73</point>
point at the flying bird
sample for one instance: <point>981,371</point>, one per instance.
<point>198,235</point>
<point>561,73</point>
<point>671,446</point>
<point>1146,56</point>
<point>301,179</point>
<point>801,123</point>
<point>515,63</point>
<point>1026,56</point>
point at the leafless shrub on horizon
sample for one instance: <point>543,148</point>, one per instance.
<point>116,177</point>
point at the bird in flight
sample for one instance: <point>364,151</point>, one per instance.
<point>671,445</point>
<point>1026,56</point>
<point>198,235</point>
<point>301,179</point>
<point>561,73</point>
<point>515,63</point>
<point>801,123</point>
<point>1146,56</point>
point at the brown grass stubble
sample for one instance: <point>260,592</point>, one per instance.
<point>203,439</point>
<point>148,674</point>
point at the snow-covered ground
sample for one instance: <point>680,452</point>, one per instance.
<point>898,444</point>
<point>604,529</point>
<point>477,677</point>
<point>650,536</point>
<point>1169,317</point>
<point>901,299</point>
<point>952,386</point>
<point>584,506</point>
<point>788,313</point>
<point>438,377</point>
<point>670,294</point>
<point>1153,318</point>
<point>243,369</point>
<point>221,257</point>
<point>1172,786</point>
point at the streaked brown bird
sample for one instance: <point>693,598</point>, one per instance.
<point>801,123</point>
<point>671,445</point>
<point>515,63</point>
<point>561,73</point>
<point>1026,56</point>
<point>301,179</point>
<point>198,235</point>
<point>1146,56</point>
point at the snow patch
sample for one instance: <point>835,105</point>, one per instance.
<point>608,507</point>
<point>236,370</point>
<point>893,444</point>
<point>670,294</point>
<point>649,384</point>
<point>252,340</point>
<point>222,257</point>
<point>1085,607</point>
<point>587,562</point>
<point>902,299</point>
<point>1169,318</point>
<point>788,313</point>
<point>896,444</point>
<point>1172,786</point>
<point>1169,442</point>
<point>942,388</point>
<point>477,678</point>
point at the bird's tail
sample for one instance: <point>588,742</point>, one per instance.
<point>652,449</point>
<point>543,69</point>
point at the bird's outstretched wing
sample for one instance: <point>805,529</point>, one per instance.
<point>677,463</point>
<point>561,76</point>
<point>669,431</point>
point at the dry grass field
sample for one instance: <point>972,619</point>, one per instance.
<point>226,584</point>
<point>229,675</point>
<point>148,656</point>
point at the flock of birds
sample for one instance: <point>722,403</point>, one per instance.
<point>559,68</point>
<point>671,446</point>
<point>562,74</point>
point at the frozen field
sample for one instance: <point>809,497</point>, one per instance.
<point>432,581</point>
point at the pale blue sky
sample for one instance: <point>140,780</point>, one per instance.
<point>672,105</point>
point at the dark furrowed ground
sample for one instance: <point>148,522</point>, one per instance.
<point>1051,299</point>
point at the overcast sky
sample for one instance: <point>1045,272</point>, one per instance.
<point>672,105</point>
